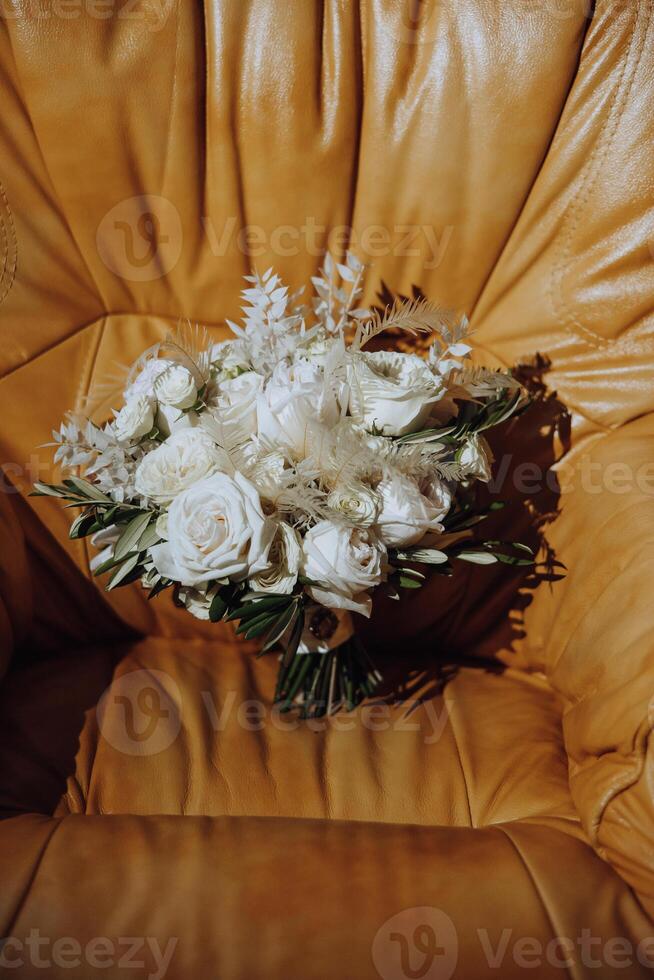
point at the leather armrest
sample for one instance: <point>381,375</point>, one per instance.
<point>593,634</point>
<point>260,897</point>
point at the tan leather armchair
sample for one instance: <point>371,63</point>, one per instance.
<point>497,819</point>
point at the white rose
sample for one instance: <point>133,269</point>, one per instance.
<point>285,556</point>
<point>391,392</point>
<point>134,420</point>
<point>476,458</point>
<point>216,530</point>
<point>357,503</point>
<point>186,457</point>
<point>235,408</point>
<point>297,402</point>
<point>346,562</point>
<point>409,511</point>
<point>176,388</point>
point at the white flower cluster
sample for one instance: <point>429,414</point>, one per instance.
<point>292,458</point>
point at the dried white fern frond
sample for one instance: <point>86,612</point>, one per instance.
<point>108,389</point>
<point>300,497</point>
<point>480,382</point>
<point>418,316</point>
<point>350,458</point>
<point>449,470</point>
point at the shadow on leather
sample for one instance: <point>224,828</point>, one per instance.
<point>43,708</point>
<point>479,611</point>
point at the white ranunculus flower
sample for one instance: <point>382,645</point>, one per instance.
<point>391,392</point>
<point>235,408</point>
<point>409,511</point>
<point>186,457</point>
<point>285,557</point>
<point>135,419</point>
<point>346,562</point>
<point>476,458</point>
<point>297,402</point>
<point>176,388</point>
<point>216,530</point>
<point>356,502</point>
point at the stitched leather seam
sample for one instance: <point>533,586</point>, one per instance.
<point>620,784</point>
<point>9,247</point>
<point>466,783</point>
<point>144,315</point>
<point>571,971</point>
<point>577,208</point>
<point>5,248</point>
<point>32,879</point>
<point>616,790</point>
<point>88,371</point>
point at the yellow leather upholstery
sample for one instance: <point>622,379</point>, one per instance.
<point>499,157</point>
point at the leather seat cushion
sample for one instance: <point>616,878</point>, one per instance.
<point>176,726</point>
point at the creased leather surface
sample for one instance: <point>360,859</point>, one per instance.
<point>442,757</point>
<point>575,279</point>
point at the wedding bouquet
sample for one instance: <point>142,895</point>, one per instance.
<point>280,478</point>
